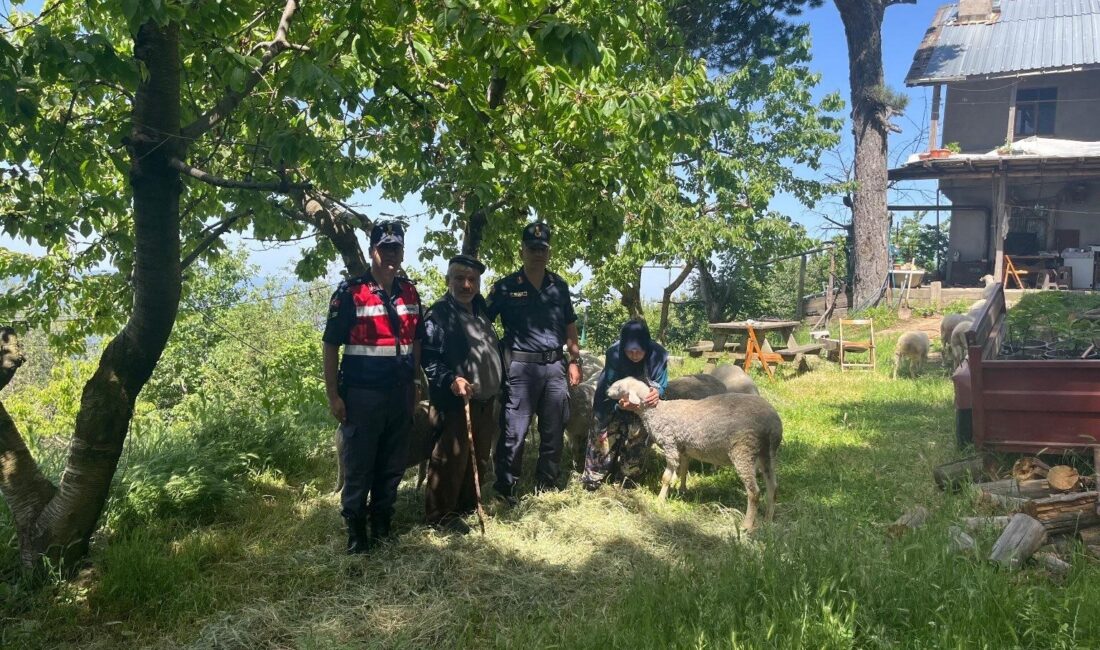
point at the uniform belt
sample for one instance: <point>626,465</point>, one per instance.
<point>549,356</point>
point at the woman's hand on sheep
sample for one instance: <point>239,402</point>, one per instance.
<point>653,397</point>
<point>626,405</point>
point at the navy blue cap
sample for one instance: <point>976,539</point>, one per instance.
<point>387,232</point>
<point>536,234</point>
<point>468,260</point>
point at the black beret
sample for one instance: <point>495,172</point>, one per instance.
<point>468,260</point>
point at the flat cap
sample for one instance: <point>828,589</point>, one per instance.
<point>468,260</point>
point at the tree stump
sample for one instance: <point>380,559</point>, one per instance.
<point>951,476</point>
<point>1063,478</point>
<point>1021,538</point>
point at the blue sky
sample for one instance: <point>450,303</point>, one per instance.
<point>903,28</point>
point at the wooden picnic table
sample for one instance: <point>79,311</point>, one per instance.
<point>756,346</point>
<point>720,332</point>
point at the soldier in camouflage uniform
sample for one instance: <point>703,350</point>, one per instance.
<point>618,442</point>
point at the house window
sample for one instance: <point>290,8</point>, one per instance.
<point>1035,111</point>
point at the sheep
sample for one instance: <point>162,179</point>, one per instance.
<point>732,428</point>
<point>581,418</point>
<point>912,346</point>
<point>422,435</point>
<point>976,308</point>
<point>735,379</point>
<point>990,287</point>
<point>947,325</point>
<point>694,387</point>
<point>958,343</point>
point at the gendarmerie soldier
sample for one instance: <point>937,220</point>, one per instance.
<point>462,363</point>
<point>377,318</point>
<point>536,310</point>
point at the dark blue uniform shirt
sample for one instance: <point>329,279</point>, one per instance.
<point>534,319</point>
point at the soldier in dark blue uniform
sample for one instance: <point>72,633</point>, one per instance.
<point>535,308</point>
<point>377,319</point>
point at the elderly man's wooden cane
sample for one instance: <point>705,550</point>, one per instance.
<point>473,463</point>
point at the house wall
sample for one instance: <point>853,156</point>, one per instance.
<point>976,112</point>
<point>1077,201</point>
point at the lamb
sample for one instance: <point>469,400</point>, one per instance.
<point>947,326</point>
<point>735,379</point>
<point>913,347</point>
<point>732,428</point>
<point>694,387</point>
<point>958,344</point>
<point>990,287</point>
<point>581,418</point>
<point>976,308</point>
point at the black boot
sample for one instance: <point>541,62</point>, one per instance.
<point>358,542</point>
<point>379,530</point>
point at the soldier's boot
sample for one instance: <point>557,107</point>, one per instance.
<point>380,530</point>
<point>358,542</point>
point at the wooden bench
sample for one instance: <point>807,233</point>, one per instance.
<point>790,353</point>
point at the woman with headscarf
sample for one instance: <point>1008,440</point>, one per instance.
<point>617,443</point>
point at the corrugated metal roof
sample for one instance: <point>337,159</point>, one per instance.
<point>1028,36</point>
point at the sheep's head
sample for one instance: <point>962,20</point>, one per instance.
<point>988,280</point>
<point>632,389</point>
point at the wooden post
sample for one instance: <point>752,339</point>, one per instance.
<point>799,312</point>
<point>934,123</point>
<point>1011,113</point>
<point>935,294</point>
<point>998,235</point>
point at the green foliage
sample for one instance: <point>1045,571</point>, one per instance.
<point>953,147</point>
<point>431,283</point>
<point>922,242</point>
<point>730,34</point>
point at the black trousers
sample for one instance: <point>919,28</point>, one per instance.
<point>376,448</point>
<point>450,475</point>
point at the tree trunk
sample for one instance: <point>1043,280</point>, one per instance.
<point>713,298</point>
<point>60,528</point>
<point>666,300</point>
<point>340,234</point>
<point>632,295</point>
<point>870,220</point>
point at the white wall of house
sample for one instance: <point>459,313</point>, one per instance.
<point>976,112</point>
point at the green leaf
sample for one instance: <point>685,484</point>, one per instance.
<point>238,78</point>
<point>425,55</point>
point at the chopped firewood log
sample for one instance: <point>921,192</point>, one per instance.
<point>913,518</point>
<point>1029,467</point>
<point>1002,501</point>
<point>1063,478</point>
<point>1064,513</point>
<point>978,523</point>
<point>1093,550</point>
<point>1022,536</point>
<point>1010,487</point>
<point>960,542</point>
<point>1089,536</point>
<point>951,476</point>
<point>1053,563</point>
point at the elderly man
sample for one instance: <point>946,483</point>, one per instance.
<point>377,318</point>
<point>462,362</point>
<point>536,310</point>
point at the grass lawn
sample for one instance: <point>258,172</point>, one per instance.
<point>612,569</point>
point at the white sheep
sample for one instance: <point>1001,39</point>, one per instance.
<point>959,345</point>
<point>913,347</point>
<point>947,325</point>
<point>735,379</point>
<point>990,287</point>
<point>976,308</point>
<point>732,428</point>
<point>695,386</point>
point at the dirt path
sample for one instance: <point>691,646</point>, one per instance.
<point>930,326</point>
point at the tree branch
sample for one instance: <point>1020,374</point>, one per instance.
<point>232,98</point>
<point>11,357</point>
<point>283,187</point>
<point>213,236</point>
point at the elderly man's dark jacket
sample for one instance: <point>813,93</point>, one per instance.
<point>444,349</point>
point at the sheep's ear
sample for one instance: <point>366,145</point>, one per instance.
<point>634,399</point>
